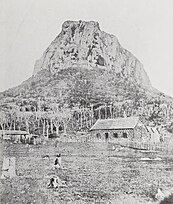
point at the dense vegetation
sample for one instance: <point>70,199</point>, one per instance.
<point>74,99</point>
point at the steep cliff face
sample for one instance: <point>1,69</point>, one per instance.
<point>83,44</point>
<point>86,67</point>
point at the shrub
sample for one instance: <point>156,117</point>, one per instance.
<point>168,200</point>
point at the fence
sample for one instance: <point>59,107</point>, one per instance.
<point>159,146</point>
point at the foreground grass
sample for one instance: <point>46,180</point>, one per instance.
<point>92,172</point>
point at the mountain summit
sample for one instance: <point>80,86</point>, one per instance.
<point>82,44</point>
<point>85,67</point>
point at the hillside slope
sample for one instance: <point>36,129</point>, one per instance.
<point>84,45</point>
<point>84,65</point>
<point>86,60</point>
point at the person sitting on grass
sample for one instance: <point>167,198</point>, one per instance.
<point>54,182</point>
<point>57,164</point>
<point>51,183</point>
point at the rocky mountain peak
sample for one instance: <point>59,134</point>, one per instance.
<point>82,44</point>
<point>93,25</point>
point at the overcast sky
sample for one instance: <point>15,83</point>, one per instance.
<point>144,27</point>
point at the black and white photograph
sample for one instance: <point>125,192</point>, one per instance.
<point>86,101</point>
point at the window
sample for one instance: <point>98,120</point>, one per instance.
<point>124,135</point>
<point>115,135</point>
<point>98,135</point>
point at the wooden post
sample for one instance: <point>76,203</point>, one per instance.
<point>47,129</point>
<point>51,125</point>
<point>8,168</point>
<point>81,118</point>
<point>92,114</point>
<point>14,125</point>
<point>99,113</point>
<point>43,127</point>
<point>57,129</point>
<point>84,118</point>
<point>106,115</point>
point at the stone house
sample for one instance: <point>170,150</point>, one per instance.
<point>130,128</point>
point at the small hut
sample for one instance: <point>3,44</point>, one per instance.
<point>16,136</point>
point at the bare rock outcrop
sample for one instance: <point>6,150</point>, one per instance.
<point>82,44</point>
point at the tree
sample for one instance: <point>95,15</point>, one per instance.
<point>3,120</point>
<point>66,116</point>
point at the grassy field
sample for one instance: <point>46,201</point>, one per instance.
<point>93,173</point>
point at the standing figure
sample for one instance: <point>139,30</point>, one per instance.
<point>57,163</point>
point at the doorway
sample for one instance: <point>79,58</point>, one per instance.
<point>106,135</point>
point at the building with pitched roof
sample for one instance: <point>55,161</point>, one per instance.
<point>129,127</point>
<point>17,136</point>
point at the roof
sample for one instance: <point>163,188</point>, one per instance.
<point>114,124</point>
<point>13,132</point>
<point>152,130</point>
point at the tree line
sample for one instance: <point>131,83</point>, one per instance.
<point>46,118</point>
